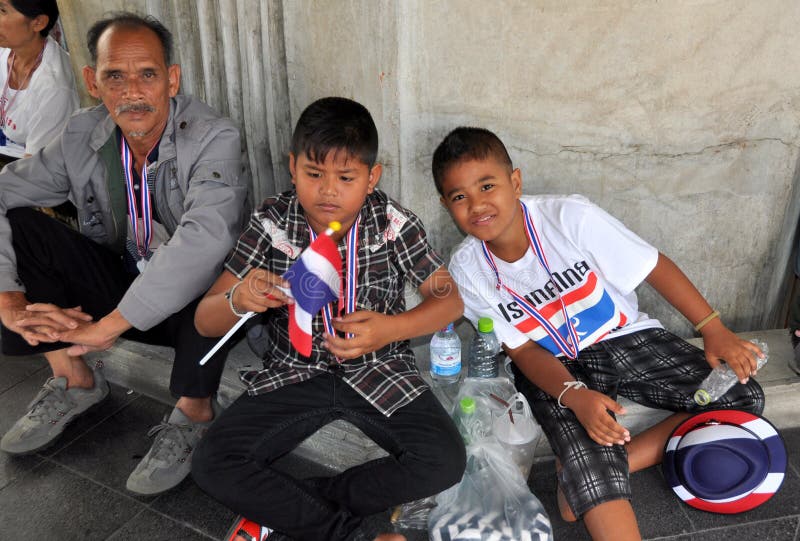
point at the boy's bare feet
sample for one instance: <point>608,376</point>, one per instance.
<point>563,506</point>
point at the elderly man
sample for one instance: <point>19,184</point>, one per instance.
<point>158,182</point>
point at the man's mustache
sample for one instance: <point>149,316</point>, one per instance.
<point>135,108</point>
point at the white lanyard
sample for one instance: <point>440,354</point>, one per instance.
<point>569,346</point>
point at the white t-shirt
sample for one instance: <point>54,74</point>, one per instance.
<point>39,113</point>
<point>596,264</point>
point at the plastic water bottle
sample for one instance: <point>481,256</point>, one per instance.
<point>722,378</point>
<point>445,356</point>
<point>484,351</point>
<point>466,420</point>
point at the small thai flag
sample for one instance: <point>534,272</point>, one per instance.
<point>316,280</point>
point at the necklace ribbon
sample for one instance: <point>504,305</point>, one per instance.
<point>142,239</point>
<point>569,345</point>
<point>347,297</point>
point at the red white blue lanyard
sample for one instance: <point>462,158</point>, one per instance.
<point>350,279</point>
<point>143,238</point>
<point>569,346</point>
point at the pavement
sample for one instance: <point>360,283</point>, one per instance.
<point>75,490</point>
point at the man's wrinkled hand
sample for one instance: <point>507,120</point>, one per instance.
<point>49,315</point>
<point>371,331</point>
<point>13,318</point>
<point>97,336</point>
<point>41,322</point>
<point>87,337</point>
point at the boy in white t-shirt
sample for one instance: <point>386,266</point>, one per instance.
<point>532,263</point>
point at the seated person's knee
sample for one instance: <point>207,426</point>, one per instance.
<point>445,463</point>
<point>203,464</point>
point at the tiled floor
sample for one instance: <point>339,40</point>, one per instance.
<point>76,489</point>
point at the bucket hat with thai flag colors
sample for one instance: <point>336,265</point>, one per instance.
<point>725,461</point>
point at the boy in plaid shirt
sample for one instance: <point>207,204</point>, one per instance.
<point>369,379</point>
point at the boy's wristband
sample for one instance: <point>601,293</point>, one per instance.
<point>706,320</point>
<point>567,386</point>
<point>229,296</point>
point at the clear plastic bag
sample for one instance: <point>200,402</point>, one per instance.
<point>413,515</point>
<point>490,395</point>
<point>491,503</point>
<point>518,432</point>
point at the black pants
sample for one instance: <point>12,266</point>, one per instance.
<point>60,266</point>
<point>234,460</point>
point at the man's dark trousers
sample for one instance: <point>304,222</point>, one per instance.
<point>60,266</point>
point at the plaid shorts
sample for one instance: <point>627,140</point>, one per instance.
<point>652,367</point>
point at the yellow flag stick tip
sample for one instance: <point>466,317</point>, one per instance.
<point>336,226</point>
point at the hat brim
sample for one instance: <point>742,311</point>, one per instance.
<point>725,461</point>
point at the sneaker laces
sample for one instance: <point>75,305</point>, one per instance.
<point>51,402</point>
<point>170,441</point>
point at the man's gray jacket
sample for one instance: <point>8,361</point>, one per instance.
<point>200,196</point>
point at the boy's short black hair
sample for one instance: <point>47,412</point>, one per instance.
<point>332,124</point>
<point>33,8</point>
<point>127,19</point>
<point>467,143</point>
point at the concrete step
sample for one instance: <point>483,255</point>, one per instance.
<point>340,445</point>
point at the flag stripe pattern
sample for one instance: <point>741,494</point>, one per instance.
<point>725,461</point>
<point>316,280</point>
<point>593,315</point>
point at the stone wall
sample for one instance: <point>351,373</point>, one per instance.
<point>680,118</point>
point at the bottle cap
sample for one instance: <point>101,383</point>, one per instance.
<point>485,324</point>
<point>449,328</point>
<point>467,405</point>
<point>701,397</point>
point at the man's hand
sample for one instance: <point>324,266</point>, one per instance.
<point>44,321</point>
<point>721,344</point>
<point>371,331</point>
<point>97,336</point>
<point>12,313</point>
<point>591,408</point>
<point>37,323</point>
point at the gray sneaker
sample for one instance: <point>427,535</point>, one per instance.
<point>169,460</point>
<point>50,412</point>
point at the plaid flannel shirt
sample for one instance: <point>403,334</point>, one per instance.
<point>393,250</point>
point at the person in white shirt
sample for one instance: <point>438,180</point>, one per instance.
<point>38,86</point>
<point>557,274</point>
